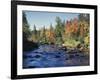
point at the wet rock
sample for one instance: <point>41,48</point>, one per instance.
<point>59,53</point>
<point>67,58</point>
<point>57,56</point>
<point>48,56</point>
<point>77,55</point>
<point>71,56</point>
<point>37,56</point>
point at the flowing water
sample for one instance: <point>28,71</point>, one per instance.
<point>53,56</point>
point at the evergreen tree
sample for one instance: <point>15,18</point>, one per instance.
<point>26,30</point>
<point>34,34</point>
<point>43,35</point>
<point>34,30</point>
<point>59,30</point>
<point>58,27</point>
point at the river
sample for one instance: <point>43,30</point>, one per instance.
<point>52,56</point>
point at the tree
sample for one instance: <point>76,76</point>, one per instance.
<point>43,35</point>
<point>34,34</point>
<point>63,27</point>
<point>50,35</point>
<point>68,29</point>
<point>26,30</point>
<point>84,17</point>
<point>58,27</point>
<point>59,30</point>
<point>34,30</point>
<point>27,45</point>
<point>71,29</point>
<point>84,23</point>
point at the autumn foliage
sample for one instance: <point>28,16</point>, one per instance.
<point>68,32</point>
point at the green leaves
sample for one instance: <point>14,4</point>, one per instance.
<point>71,33</point>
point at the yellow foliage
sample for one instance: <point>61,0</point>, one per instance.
<point>50,35</point>
<point>87,39</point>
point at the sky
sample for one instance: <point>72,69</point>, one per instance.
<point>40,19</point>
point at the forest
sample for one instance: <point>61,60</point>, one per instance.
<point>66,43</point>
<point>67,34</point>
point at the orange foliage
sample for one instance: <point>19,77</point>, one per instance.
<point>67,27</point>
<point>71,27</point>
<point>81,30</point>
<point>50,35</point>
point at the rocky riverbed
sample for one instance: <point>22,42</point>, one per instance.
<point>53,56</point>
